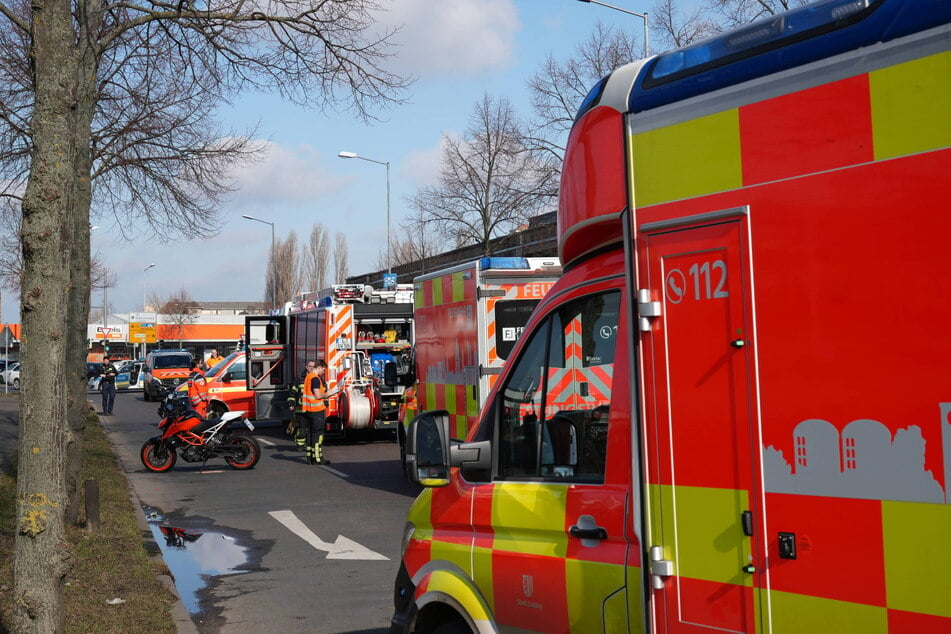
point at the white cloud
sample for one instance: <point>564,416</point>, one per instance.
<point>421,167</point>
<point>287,174</point>
<point>452,37</point>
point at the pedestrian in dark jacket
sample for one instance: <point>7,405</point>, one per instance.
<point>107,386</point>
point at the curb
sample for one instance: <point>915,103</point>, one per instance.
<point>181,618</point>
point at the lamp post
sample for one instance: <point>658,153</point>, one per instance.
<point>144,302</point>
<point>349,155</point>
<point>144,271</point>
<point>273,291</point>
<point>642,16</point>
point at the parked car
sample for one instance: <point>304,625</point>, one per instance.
<point>93,369</point>
<point>12,375</point>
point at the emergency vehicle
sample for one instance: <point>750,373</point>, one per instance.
<point>732,413</point>
<point>164,369</point>
<point>364,334</point>
<point>467,319</point>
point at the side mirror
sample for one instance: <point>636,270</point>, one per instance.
<point>227,376</point>
<point>427,449</point>
<point>347,364</point>
<point>389,374</point>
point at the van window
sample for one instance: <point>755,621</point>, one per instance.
<point>171,361</point>
<point>553,410</point>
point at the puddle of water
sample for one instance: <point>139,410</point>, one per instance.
<point>193,555</point>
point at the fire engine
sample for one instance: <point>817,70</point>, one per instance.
<point>732,413</point>
<point>364,334</point>
<point>468,318</point>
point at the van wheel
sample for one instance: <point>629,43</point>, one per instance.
<point>453,627</point>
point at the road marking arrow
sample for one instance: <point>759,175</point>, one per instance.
<point>343,548</point>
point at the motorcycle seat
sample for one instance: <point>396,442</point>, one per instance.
<point>203,425</point>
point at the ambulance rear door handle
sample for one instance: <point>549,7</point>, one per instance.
<point>747,518</point>
<point>587,530</point>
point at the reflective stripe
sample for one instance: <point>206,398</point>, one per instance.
<point>309,400</point>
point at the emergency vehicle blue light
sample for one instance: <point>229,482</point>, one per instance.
<point>503,263</point>
<point>759,35</point>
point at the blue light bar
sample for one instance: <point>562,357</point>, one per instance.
<point>760,35</point>
<point>503,263</point>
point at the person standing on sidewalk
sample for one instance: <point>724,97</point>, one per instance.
<point>108,386</point>
<point>313,404</point>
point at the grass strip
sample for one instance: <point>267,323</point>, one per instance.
<point>110,564</point>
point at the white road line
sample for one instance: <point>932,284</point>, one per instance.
<point>342,548</point>
<point>265,441</point>
<point>339,474</point>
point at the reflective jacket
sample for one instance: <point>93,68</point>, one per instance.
<point>310,402</point>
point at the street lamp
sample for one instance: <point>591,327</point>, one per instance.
<point>349,155</point>
<point>642,16</point>
<point>144,271</point>
<point>273,291</point>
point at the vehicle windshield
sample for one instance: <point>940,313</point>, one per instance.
<point>215,371</point>
<point>168,361</point>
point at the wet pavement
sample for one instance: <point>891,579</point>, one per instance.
<point>197,554</point>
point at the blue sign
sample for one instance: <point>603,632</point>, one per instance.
<point>389,280</point>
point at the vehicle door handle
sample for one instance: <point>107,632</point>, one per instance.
<point>586,528</point>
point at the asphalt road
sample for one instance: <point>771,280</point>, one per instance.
<point>310,580</point>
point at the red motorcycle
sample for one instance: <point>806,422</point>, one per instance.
<point>185,433</point>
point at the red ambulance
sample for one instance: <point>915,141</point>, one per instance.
<point>732,413</point>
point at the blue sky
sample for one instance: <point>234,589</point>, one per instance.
<point>458,49</point>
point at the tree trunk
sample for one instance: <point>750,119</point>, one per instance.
<point>41,551</point>
<point>79,270</point>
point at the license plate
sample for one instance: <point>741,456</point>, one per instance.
<point>248,424</point>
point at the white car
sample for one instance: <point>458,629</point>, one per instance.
<point>11,375</point>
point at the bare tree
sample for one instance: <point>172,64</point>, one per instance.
<point>86,66</point>
<point>559,86</point>
<point>490,181</point>
<point>414,241</point>
<point>675,26</point>
<point>180,310</point>
<point>102,278</point>
<point>734,13</point>
<point>283,271</point>
<point>341,258</point>
<point>315,259</point>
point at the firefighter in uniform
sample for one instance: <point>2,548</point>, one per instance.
<point>313,404</point>
<point>294,400</point>
<point>198,389</point>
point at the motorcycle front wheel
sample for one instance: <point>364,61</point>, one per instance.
<point>157,456</point>
<point>242,452</point>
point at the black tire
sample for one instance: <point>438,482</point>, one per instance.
<point>216,410</point>
<point>453,627</point>
<point>16,383</point>
<point>245,452</point>
<point>157,457</point>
